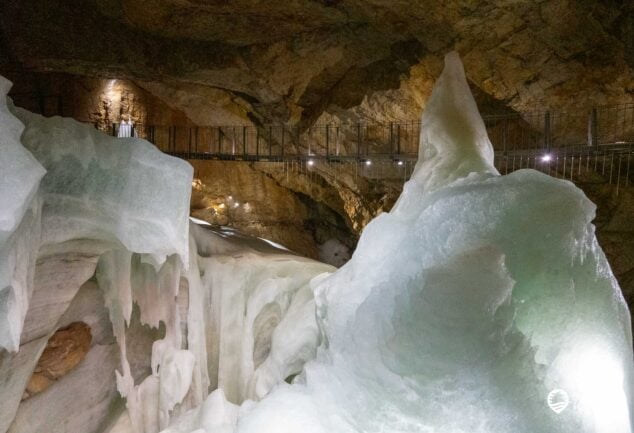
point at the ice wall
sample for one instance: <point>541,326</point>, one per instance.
<point>95,187</point>
<point>262,326</point>
<point>480,304</point>
<point>127,196</point>
<point>20,175</point>
<point>121,196</point>
<point>123,191</point>
<point>237,312</point>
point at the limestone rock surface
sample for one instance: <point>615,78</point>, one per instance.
<point>293,62</point>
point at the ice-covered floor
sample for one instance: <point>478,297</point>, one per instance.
<point>480,304</point>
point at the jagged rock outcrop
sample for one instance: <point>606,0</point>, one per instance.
<point>102,102</point>
<point>64,350</point>
<point>247,62</point>
<point>295,62</point>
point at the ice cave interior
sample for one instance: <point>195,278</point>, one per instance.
<point>201,279</point>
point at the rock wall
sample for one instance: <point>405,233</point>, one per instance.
<point>615,230</point>
<point>293,63</point>
<point>101,102</point>
<point>248,197</point>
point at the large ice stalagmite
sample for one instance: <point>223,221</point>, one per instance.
<point>480,304</point>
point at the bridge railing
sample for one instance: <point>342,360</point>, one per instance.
<point>276,142</point>
<point>512,133</point>
<point>538,130</point>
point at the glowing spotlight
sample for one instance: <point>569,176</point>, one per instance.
<point>599,377</point>
<point>547,158</point>
<point>230,197</point>
<point>399,163</point>
<point>368,162</point>
<point>236,204</point>
<point>221,205</point>
<point>558,400</point>
<point>311,162</point>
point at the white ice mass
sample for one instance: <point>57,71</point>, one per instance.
<point>480,304</point>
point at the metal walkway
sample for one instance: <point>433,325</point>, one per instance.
<point>566,145</point>
<point>570,145</point>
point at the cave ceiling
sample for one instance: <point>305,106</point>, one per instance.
<point>307,61</point>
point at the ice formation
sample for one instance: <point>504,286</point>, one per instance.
<point>238,312</point>
<point>480,304</point>
<point>20,175</point>
<point>104,188</point>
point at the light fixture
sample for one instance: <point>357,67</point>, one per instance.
<point>368,162</point>
<point>547,157</point>
<point>236,204</point>
<point>221,205</point>
<point>311,162</point>
<point>230,197</point>
<point>399,162</point>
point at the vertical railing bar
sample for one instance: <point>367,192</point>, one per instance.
<point>257,142</point>
<point>189,143</point>
<point>328,142</point>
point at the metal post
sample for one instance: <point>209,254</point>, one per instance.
<point>282,145</point>
<point>244,142</point>
<point>358,141</point>
<point>41,100</point>
<point>398,139</point>
<point>392,138</point>
<point>219,140</point>
<point>547,136</point>
<point>504,133</point>
<point>327,141</point>
<point>592,128</point>
<point>233,142</point>
<point>189,144</point>
<point>196,140</point>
